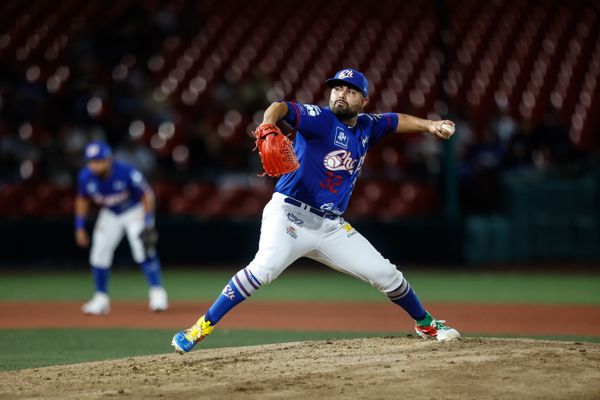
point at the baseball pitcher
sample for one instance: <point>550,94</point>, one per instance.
<point>126,204</point>
<point>304,216</point>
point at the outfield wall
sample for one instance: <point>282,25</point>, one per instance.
<point>192,241</point>
<point>540,220</point>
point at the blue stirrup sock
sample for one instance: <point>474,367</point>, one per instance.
<point>151,269</point>
<point>406,298</point>
<point>100,277</point>
<point>238,289</point>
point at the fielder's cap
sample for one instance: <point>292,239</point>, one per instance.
<point>97,150</point>
<point>350,77</point>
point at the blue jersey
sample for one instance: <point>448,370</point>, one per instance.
<point>330,154</point>
<point>122,189</point>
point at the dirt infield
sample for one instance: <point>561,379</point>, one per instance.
<point>493,319</point>
<point>382,368</point>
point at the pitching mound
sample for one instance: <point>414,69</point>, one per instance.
<point>382,368</point>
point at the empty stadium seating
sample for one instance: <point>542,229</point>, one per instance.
<point>525,55</point>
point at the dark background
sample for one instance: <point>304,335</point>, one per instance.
<point>176,87</point>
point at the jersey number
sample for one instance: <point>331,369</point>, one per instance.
<point>331,181</point>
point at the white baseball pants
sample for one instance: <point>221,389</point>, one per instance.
<point>289,232</point>
<point>108,232</point>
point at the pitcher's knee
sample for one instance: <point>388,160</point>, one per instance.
<point>263,273</point>
<point>389,281</point>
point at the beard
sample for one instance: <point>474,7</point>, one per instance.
<point>344,112</point>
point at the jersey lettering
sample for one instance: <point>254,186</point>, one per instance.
<point>339,160</point>
<point>330,153</point>
<point>122,189</point>
<point>313,111</point>
<point>347,73</point>
<point>111,199</point>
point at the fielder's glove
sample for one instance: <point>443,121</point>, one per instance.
<point>149,237</point>
<point>275,150</point>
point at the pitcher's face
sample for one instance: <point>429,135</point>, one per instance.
<point>346,102</point>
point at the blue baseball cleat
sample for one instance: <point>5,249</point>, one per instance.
<point>185,341</point>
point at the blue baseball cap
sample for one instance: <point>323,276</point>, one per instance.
<point>97,150</point>
<point>350,77</point>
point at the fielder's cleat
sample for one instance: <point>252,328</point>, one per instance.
<point>98,305</point>
<point>158,299</point>
<point>437,330</point>
<point>185,341</point>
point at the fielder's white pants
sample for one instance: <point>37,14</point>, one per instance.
<point>108,232</point>
<point>289,232</point>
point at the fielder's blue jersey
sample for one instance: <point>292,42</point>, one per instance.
<point>119,191</point>
<point>330,154</point>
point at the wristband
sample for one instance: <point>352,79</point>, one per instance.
<point>149,220</point>
<point>79,222</point>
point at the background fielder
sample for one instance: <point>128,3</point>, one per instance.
<point>127,207</point>
<point>303,218</point>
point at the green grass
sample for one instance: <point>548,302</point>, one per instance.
<point>21,349</point>
<point>299,284</point>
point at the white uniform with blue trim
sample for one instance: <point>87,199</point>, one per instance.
<point>303,219</point>
<point>119,196</point>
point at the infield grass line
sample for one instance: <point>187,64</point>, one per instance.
<point>314,285</point>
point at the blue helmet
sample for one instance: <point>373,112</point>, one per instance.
<point>97,150</point>
<point>350,77</point>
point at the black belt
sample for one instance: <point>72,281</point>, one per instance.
<point>316,211</point>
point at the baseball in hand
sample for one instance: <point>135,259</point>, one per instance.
<point>448,128</point>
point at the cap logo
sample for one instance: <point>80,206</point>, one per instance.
<point>92,150</point>
<point>347,73</point>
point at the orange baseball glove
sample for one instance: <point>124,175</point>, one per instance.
<point>275,150</point>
